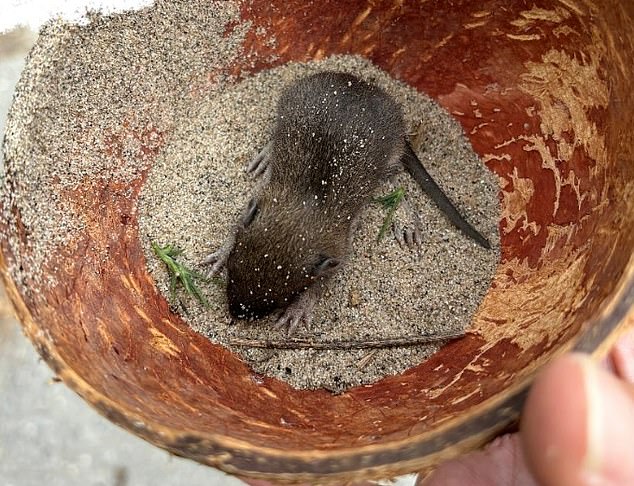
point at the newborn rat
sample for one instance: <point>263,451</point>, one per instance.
<point>335,141</point>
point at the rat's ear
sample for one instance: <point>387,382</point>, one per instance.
<point>249,214</point>
<point>325,264</point>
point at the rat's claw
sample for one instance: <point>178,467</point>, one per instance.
<point>260,162</point>
<point>300,310</point>
<point>217,260</point>
<point>409,237</point>
<point>418,237</point>
<point>290,321</point>
<point>397,230</point>
<point>292,327</point>
<point>211,258</point>
<point>413,236</point>
<point>284,322</point>
<point>292,317</point>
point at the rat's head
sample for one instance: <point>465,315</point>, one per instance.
<point>281,249</point>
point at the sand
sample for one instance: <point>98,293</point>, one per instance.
<point>140,69</point>
<point>198,187</point>
<point>80,85</point>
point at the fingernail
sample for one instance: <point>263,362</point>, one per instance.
<point>609,428</point>
<point>623,357</point>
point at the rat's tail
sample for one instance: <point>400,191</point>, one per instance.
<point>415,167</point>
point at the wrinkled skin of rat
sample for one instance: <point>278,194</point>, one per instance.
<point>336,139</point>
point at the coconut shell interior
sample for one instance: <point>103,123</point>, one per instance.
<point>543,91</point>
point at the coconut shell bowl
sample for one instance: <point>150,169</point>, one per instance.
<point>543,92</point>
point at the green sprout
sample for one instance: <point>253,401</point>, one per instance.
<point>390,202</point>
<point>179,273</point>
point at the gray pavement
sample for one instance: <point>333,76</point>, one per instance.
<point>48,435</point>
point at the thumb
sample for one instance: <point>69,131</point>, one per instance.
<point>578,424</point>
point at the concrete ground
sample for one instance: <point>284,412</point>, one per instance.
<point>48,435</point>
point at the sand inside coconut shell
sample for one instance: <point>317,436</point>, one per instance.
<point>198,187</point>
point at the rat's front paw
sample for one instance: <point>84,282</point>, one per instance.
<point>299,311</point>
<point>217,260</point>
<point>260,162</point>
<point>292,317</point>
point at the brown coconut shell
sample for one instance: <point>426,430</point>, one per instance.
<point>544,92</point>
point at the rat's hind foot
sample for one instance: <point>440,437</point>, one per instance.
<point>260,162</point>
<point>412,234</point>
<point>415,167</point>
<point>409,236</point>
